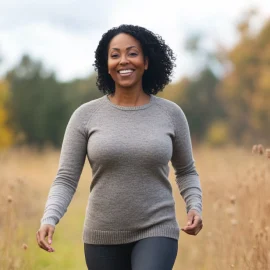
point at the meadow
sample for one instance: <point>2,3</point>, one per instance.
<point>236,212</point>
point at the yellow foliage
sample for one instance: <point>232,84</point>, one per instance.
<point>246,89</point>
<point>7,136</point>
<point>218,133</point>
<point>4,92</point>
<point>3,116</point>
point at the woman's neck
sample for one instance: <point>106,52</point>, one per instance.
<point>129,97</point>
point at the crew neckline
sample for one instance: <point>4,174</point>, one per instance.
<point>130,108</point>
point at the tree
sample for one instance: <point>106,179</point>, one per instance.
<point>41,106</point>
<point>6,133</point>
<point>38,104</point>
<point>246,89</point>
<point>199,101</point>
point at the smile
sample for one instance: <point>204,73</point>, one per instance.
<point>126,72</point>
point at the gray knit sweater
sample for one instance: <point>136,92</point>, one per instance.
<point>128,149</point>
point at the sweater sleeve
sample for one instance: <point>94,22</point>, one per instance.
<point>71,162</point>
<point>182,160</point>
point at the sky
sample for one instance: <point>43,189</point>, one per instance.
<point>64,34</point>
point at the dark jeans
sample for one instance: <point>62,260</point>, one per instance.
<point>152,253</point>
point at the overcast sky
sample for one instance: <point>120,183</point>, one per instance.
<point>65,33</point>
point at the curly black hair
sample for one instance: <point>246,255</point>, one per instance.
<point>161,59</point>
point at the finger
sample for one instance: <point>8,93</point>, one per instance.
<point>41,245</point>
<point>200,228</point>
<point>37,237</point>
<point>196,223</point>
<point>192,230</point>
<point>189,228</point>
<point>196,230</point>
<point>50,236</point>
<point>39,242</point>
<point>190,217</point>
<point>42,241</point>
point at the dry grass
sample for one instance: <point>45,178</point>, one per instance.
<point>236,188</point>
<point>236,215</point>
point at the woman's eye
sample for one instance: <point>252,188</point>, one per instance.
<point>116,55</point>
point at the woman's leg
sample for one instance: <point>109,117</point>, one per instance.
<point>154,253</point>
<point>108,257</point>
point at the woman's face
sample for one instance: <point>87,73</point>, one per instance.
<point>126,63</point>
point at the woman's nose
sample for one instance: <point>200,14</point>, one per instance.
<point>123,60</point>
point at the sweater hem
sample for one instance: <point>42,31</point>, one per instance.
<point>122,237</point>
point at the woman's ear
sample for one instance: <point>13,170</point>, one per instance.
<point>146,62</point>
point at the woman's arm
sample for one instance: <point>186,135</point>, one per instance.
<point>72,158</point>
<point>187,178</point>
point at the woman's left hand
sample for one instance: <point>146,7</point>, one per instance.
<point>194,223</point>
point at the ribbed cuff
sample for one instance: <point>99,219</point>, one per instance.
<point>50,221</point>
<point>198,209</point>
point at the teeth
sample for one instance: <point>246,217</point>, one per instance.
<point>125,71</point>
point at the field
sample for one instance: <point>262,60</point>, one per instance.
<point>236,212</point>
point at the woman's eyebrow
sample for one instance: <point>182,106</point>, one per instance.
<point>117,49</point>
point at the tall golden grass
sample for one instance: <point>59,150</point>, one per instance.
<point>236,212</point>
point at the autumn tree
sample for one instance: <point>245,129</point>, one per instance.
<point>6,133</point>
<point>38,104</point>
<point>41,105</point>
<point>245,90</point>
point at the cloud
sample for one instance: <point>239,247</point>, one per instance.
<point>74,16</point>
<point>64,34</point>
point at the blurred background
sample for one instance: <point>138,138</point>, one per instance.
<point>221,81</point>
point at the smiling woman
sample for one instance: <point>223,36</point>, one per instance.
<point>129,136</point>
<point>125,45</point>
<point>126,61</point>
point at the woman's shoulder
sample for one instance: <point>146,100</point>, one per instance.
<point>89,106</point>
<point>83,112</point>
<point>171,107</point>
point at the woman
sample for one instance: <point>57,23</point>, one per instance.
<point>129,136</point>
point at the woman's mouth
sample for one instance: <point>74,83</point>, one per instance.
<point>125,72</point>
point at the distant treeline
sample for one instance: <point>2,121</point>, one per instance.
<point>233,108</point>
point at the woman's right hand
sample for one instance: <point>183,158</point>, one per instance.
<point>44,231</point>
